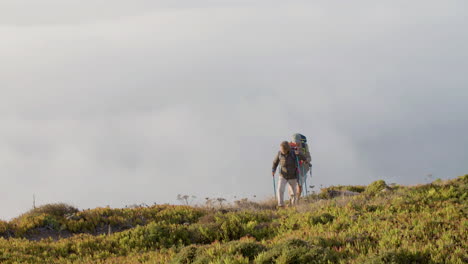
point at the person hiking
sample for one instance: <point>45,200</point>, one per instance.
<point>288,173</point>
<point>299,142</point>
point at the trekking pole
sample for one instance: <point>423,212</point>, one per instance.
<point>274,187</point>
<point>305,183</point>
<point>310,171</point>
<point>274,184</point>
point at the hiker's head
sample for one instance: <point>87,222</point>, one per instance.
<point>284,147</point>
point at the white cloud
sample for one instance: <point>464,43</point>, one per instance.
<point>141,102</point>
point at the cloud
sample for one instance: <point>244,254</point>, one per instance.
<point>140,102</point>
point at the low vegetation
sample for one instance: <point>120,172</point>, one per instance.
<point>379,224</point>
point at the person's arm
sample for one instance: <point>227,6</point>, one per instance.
<point>275,164</point>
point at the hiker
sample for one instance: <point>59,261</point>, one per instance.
<point>288,173</point>
<point>299,142</point>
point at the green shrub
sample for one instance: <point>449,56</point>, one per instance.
<point>296,251</point>
<point>4,227</point>
<point>325,192</point>
<point>204,233</point>
<point>55,209</point>
<point>186,256</point>
<point>248,249</point>
<point>417,224</point>
<point>321,219</point>
<point>231,252</point>
<point>235,225</point>
<point>399,257</point>
<point>154,235</point>
<point>376,187</point>
<point>51,222</point>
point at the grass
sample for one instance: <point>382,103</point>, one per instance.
<point>418,224</point>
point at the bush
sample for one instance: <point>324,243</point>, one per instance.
<point>376,187</point>
<point>321,219</point>
<point>56,209</point>
<point>248,249</point>
<point>418,224</point>
<point>399,257</point>
<point>296,251</point>
<point>332,191</point>
<point>4,227</point>
<point>186,256</point>
<point>241,251</point>
<point>51,216</point>
<point>234,225</point>
<point>51,223</point>
<point>155,235</point>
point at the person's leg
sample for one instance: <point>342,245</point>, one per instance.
<point>292,189</point>
<point>305,170</point>
<point>280,193</point>
<point>299,184</point>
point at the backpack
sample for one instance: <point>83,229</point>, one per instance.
<point>299,142</point>
<point>299,138</point>
<point>294,157</point>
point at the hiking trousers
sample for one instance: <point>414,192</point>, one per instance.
<point>303,170</point>
<point>292,189</point>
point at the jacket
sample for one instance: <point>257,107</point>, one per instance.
<point>288,164</point>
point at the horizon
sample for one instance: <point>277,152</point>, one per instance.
<point>195,201</point>
<point>133,103</point>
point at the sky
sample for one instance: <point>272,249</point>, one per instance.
<point>127,102</point>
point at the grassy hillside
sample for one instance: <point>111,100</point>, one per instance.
<point>397,224</point>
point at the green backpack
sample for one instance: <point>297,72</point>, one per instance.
<point>300,141</point>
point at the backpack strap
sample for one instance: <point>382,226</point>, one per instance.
<point>296,160</point>
<point>293,154</point>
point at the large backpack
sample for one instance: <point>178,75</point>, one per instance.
<point>299,141</point>
<point>294,157</point>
